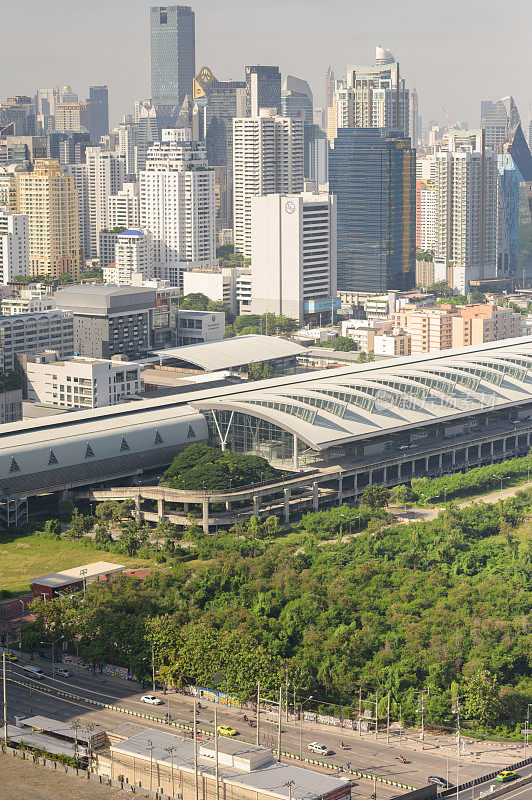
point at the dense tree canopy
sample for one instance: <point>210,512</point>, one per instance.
<point>442,605</point>
<point>201,466</point>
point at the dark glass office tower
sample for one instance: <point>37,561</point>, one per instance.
<point>372,171</point>
<point>98,112</point>
<point>263,89</point>
<point>173,53</point>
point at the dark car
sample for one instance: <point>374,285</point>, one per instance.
<point>439,781</point>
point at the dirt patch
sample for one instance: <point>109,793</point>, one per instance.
<point>22,780</point>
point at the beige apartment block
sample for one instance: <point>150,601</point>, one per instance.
<point>485,323</point>
<point>48,197</point>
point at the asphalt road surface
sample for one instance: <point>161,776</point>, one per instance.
<point>365,754</point>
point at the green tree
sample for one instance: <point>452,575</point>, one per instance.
<point>375,496</point>
<point>482,697</point>
<point>197,301</point>
<point>401,494</point>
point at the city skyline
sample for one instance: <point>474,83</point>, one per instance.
<point>489,45</point>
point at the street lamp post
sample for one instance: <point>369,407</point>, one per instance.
<point>171,751</point>
<point>301,726</point>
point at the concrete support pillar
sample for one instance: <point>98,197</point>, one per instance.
<point>287,505</point>
<point>355,481</point>
<point>426,464</point>
<point>440,462</point>
<point>491,449</point>
<point>315,496</point>
<point>228,505</point>
<point>454,457</point>
<point>370,477</point>
<point>137,508</point>
<point>295,462</point>
<point>205,507</point>
<point>256,505</point>
<point>186,507</point>
<point>160,508</point>
<point>340,490</point>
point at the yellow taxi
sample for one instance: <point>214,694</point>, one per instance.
<point>226,730</point>
<point>506,775</point>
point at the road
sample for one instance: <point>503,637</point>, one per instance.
<point>521,792</point>
<point>365,754</point>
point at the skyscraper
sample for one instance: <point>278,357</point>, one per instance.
<point>297,100</point>
<point>263,89</point>
<point>499,119</point>
<point>98,112</point>
<point>515,167</point>
<point>177,203</point>
<point>381,99</point>
<point>173,53</point>
<point>294,254</point>
<point>466,198</point>
<point>372,173</point>
<point>106,173</point>
<point>48,197</point>
<point>219,103</point>
<point>267,158</point>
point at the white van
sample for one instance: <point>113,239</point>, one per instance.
<point>34,672</point>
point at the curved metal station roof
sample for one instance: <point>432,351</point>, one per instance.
<point>333,407</point>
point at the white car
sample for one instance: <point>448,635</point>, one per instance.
<point>65,673</point>
<point>320,749</point>
<point>151,700</point>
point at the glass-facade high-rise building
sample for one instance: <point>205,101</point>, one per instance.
<point>173,53</point>
<point>98,112</point>
<point>372,172</point>
<point>263,89</point>
<point>220,102</point>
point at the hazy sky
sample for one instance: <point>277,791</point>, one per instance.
<point>455,53</point>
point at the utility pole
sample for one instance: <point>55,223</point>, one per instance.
<point>421,710</point>
<point>216,753</point>
<point>287,694</point>
<point>279,723</point>
<point>374,795</point>
<point>75,724</point>
<point>258,712</point>
<point>289,784</point>
<point>196,792</point>
<point>376,713</point>
<point>150,748</point>
<point>5,695</point>
<point>388,721</point>
<point>171,751</point>
<point>456,710</point>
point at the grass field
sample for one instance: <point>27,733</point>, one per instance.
<point>25,557</point>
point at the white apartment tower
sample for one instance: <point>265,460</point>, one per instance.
<point>466,198</point>
<point>14,246</point>
<point>133,254</point>
<point>177,202</point>
<point>268,156</point>
<point>105,177</point>
<point>123,208</point>
<point>381,99</point>
<point>293,258</point>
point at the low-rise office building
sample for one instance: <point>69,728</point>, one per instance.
<point>109,320</point>
<point>79,382</point>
